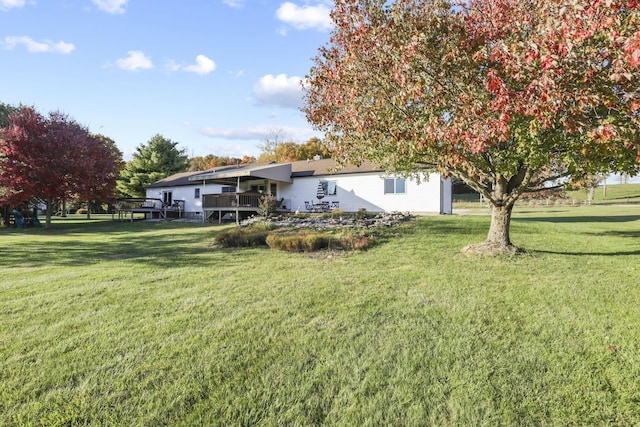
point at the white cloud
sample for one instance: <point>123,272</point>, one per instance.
<point>243,134</point>
<point>135,61</point>
<point>171,65</point>
<point>305,17</point>
<point>111,6</point>
<point>46,46</point>
<point>8,4</point>
<point>280,90</point>
<point>259,133</point>
<point>202,66</point>
<point>236,74</point>
<point>234,3</point>
<point>230,150</point>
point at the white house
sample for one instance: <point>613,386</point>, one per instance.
<point>310,185</point>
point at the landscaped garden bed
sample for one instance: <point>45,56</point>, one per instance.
<point>312,233</point>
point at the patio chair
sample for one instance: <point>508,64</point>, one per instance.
<point>308,206</point>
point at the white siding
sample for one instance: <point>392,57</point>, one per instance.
<point>447,196</point>
<point>186,193</point>
<point>366,191</point>
<point>353,192</point>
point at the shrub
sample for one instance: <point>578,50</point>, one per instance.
<point>267,206</point>
<point>242,237</point>
<point>302,241</point>
<point>262,225</point>
<point>362,213</point>
<point>356,240</point>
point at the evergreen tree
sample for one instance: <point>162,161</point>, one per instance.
<point>157,159</point>
<point>5,111</point>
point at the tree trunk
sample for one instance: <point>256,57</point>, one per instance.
<point>49,213</point>
<point>500,223</point>
<point>498,241</point>
<point>6,215</point>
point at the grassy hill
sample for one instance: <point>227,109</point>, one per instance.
<point>611,194</point>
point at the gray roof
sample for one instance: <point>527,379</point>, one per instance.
<point>283,172</point>
<point>274,171</point>
<point>329,167</point>
<point>175,180</point>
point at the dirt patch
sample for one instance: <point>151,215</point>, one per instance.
<point>491,249</point>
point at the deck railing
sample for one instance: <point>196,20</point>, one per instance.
<point>147,203</point>
<point>231,200</point>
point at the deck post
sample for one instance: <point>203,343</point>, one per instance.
<point>238,202</point>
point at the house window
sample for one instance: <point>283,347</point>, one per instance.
<point>330,188</point>
<point>228,190</point>
<point>167,198</point>
<point>196,193</point>
<point>394,186</point>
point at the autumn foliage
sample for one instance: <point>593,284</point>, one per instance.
<point>53,158</point>
<point>505,94</point>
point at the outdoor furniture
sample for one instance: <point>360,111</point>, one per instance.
<point>321,207</point>
<point>317,207</point>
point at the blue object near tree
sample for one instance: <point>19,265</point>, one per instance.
<point>19,219</point>
<point>35,222</point>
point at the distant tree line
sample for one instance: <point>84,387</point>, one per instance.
<point>276,150</point>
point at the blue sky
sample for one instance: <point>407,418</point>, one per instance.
<point>216,76</point>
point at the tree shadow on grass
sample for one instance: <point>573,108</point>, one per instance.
<point>616,233</point>
<point>613,253</point>
<point>578,219</point>
<point>93,244</point>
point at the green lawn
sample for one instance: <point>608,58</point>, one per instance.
<point>603,195</point>
<point>611,194</point>
<point>143,323</point>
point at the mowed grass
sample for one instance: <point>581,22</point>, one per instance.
<point>143,323</point>
<point>611,194</point>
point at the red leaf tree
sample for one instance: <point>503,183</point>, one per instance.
<point>505,94</point>
<point>53,158</point>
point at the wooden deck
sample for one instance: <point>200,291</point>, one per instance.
<point>230,206</point>
<point>151,208</point>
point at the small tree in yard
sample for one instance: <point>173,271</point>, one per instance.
<point>267,205</point>
<point>504,94</point>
